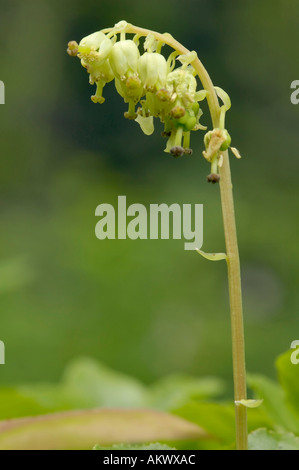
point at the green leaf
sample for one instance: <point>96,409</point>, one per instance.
<point>88,384</point>
<point>288,374</point>
<point>13,404</point>
<point>94,384</point>
<point>155,446</point>
<point>217,419</point>
<point>274,402</point>
<point>176,390</point>
<point>81,429</point>
<point>263,439</point>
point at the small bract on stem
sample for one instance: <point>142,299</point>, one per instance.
<point>154,87</point>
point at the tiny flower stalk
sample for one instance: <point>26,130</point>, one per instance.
<point>160,90</point>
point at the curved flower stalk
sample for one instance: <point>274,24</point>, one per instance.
<point>171,94</point>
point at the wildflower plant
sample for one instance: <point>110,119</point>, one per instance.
<point>171,89</point>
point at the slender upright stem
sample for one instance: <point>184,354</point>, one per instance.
<point>230,233</point>
<point>233,267</point>
<point>235,295</point>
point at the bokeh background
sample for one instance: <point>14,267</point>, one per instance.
<point>146,308</point>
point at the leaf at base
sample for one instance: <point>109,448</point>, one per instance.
<point>154,446</point>
<point>80,430</point>
<point>263,439</point>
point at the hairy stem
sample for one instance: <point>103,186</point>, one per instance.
<point>230,233</point>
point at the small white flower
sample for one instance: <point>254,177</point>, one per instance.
<point>94,51</point>
<point>152,69</point>
<point>182,84</point>
<point>96,46</point>
<point>124,58</point>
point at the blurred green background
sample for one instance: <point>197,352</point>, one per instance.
<point>147,308</point>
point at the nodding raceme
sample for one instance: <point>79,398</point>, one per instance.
<point>162,89</point>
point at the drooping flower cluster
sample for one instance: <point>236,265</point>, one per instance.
<point>152,87</point>
<point>147,79</point>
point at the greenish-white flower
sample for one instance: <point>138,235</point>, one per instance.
<point>94,51</point>
<point>124,62</point>
<point>97,42</point>
<point>182,84</point>
<point>124,59</point>
<point>152,69</point>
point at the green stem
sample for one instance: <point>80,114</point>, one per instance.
<point>178,136</point>
<point>235,295</point>
<point>230,233</point>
